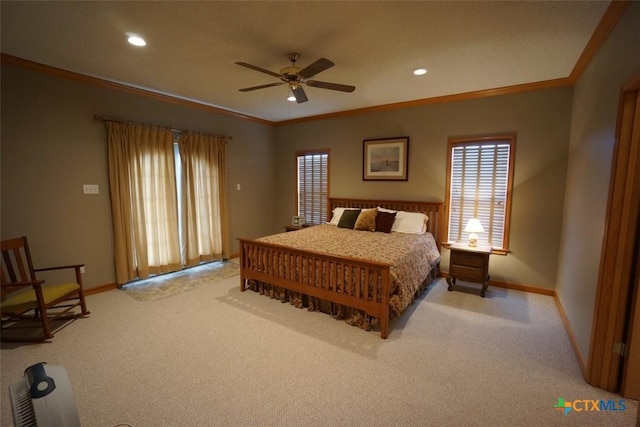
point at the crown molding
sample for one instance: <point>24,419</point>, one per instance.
<point>120,87</point>
<point>608,22</point>
<point>605,26</point>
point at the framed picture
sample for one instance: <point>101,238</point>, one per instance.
<point>385,159</point>
<point>297,220</point>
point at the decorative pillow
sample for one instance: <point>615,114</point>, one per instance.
<point>366,220</point>
<point>349,218</point>
<point>410,222</point>
<point>384,221</point>
<point>337,214</point>
<point>385,210</point>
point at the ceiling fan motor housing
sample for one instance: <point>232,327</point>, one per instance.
<point>290,74</point>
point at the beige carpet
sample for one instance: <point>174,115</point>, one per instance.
<point>215,356</point>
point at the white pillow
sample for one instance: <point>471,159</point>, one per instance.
<point>410,222</point>
<point>337,213</point>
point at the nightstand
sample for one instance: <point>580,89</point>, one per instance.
<point>470,264</point>
<point>288,228</point>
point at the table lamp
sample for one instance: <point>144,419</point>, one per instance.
<point>473,227</point>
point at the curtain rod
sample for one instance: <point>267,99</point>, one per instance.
<point>111,119</point>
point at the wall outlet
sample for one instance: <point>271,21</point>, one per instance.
<point>91,189</point>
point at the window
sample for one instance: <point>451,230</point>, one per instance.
<point>479,185</point>
<point>313,185</point>
<point>148,236</point>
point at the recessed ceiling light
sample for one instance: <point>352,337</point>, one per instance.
<point>419,71</point>
<point>136,40</point>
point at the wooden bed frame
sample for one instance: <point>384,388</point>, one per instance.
<point>281,265</point>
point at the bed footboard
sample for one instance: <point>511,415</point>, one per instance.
<point>353,282</point>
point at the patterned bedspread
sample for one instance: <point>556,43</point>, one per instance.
<point>414,257</point>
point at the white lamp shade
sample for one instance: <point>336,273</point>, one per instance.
<point>474,226</point>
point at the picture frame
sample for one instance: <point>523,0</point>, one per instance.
<point>297,220</point>
<point>385,159</point>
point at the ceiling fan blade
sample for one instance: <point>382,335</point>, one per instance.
<point>262,70</point>
<point>332,86</point>
<point>315,68</point>
<point>298,92</point>
<point>248,89</point>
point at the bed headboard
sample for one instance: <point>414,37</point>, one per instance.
<point>434,210</point>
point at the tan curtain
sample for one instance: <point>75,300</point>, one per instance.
<point>143,200</point>
<point>204,210</point>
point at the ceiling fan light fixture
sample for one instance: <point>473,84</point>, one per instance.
<point>136,40</point>
<point>292,87</point>
<point>420,71</point>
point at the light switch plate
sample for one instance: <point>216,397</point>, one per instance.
<point>90,189</point>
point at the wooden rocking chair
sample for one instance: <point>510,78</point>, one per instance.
<point>27,303</point>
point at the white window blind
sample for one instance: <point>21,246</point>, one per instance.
<point>313,186</point>
<point>479,188</point>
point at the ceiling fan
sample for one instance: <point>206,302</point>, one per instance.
<point>295,77</point>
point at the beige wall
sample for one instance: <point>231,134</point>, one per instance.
<point>593,122</point>
<point>51,146</point>
<point>540,119</point>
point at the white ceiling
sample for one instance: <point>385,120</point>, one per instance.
<point>193,47</point>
